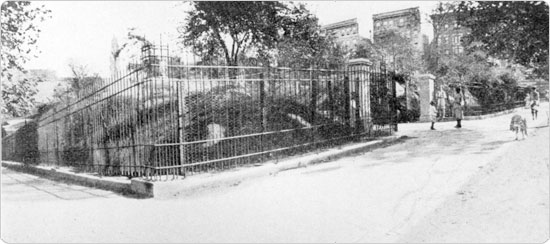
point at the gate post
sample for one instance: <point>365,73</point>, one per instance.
<point>361,113</point>
<point>425,89</point>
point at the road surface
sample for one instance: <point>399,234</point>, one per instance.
<point>450,185</point>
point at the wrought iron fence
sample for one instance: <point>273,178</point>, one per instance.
<point>167,118</point>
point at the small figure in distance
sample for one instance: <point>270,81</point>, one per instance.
<point>441,98</point>
<point>518,125</point>
<point>433,114</point>
<point>457,107</point>
<point>535,103</point>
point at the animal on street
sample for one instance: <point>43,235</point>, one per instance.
<point>518,124</point>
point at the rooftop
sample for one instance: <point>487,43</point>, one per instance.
<point>341,24</point>
<point>396,13</point>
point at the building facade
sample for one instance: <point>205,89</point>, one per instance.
<point>448,33</point>
<point>346,33</point>
<point>405,22</point>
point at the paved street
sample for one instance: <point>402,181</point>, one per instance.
<point>475,184</point>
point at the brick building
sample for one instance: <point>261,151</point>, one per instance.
<point>405,22</point>
<point>448,33</point>
<point>346,33</point>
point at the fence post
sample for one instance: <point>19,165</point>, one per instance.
<point>347,98</point>
<point>181,122</point>
<point>263,109</point>
<point>394,105</point>
<point>330,96</point>
<point>313,102</point>
<point>362,95</point>
<point>426,90</point>
<point>358,104</point>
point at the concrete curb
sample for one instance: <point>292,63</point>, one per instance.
<point>203,182</point>
<point>120,186</point>
<point>192,185</point>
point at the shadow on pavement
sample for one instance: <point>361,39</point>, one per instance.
<point>436,143</point>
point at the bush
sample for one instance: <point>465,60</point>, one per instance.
<point>26,144</point>
<point>407,115</point>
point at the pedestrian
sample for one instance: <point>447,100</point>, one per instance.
<point>433,114</point>
<point>527,101</point>
<point>441,98</point>
<point>457,107</point>
<point>534,103</point>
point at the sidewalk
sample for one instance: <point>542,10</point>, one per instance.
<point>197,183</point>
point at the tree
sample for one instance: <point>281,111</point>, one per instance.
<point>267,31</point>
<point>303,43</point>
<point>229,28</point>
<point>398,52</point>
<point>19,35</point>
<point>511,30</point>
<point>365,49</point>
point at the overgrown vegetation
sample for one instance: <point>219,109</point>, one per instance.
<point>20,32</point>
<point>118,128</point>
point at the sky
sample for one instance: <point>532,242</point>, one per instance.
<point>81,32</point>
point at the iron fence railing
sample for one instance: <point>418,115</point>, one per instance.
<point>492,108</point>
<point>166,118</point>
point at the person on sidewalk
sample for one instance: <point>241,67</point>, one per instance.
<point>441,97</point>
<point>433,114</point>
<point>527,101</point>
<point>457,107</point>
<point>535,103</point>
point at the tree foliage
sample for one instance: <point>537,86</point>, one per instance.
<point>365,49</point>
<point>268,31</point>
<point>19,35</point>
<point>229,28</point>
<point>511,30</point>
<point>75,86</point>
<point>303,43</point>
<point>397,50</point>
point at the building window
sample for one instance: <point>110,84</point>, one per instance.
<point>456,24</point>
<point>456,50</point>
<point>378,24</point>
<point>456,39</point>
<point>401,21</point>
<point>460,49</point>
<point>446,26</point>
